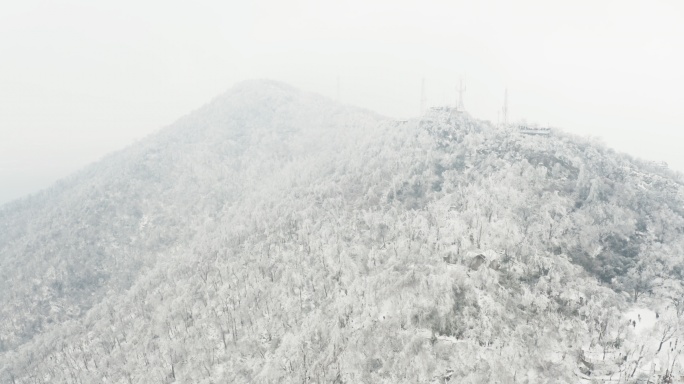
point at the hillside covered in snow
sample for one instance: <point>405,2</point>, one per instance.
<point>276,236</point>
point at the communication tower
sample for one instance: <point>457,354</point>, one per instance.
<point>505,109</point>
<point>422,96</point>
<point>460,91</point>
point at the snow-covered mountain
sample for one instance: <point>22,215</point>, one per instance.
<point>275,236</point>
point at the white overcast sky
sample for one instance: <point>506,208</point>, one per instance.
<point>82,78</point>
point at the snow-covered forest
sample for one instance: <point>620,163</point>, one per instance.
<point>276,236</point>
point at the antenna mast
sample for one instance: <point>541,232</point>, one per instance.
<point>422,96</point>
<point>505,109</point>
<point>460,89</point>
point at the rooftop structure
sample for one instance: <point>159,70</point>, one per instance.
<point>533,130</point>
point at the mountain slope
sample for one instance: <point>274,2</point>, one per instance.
<point>63,249</point>
<point>273,236</point>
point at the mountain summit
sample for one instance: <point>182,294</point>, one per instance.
<point>276,236</point>
<point>63,249</point>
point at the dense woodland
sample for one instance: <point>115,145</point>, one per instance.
<point>275,236</point>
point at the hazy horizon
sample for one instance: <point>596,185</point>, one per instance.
<point>83,80</point>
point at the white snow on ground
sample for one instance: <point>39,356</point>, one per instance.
<point>650,327</point>
<point>644,324</point>
<point>645,320</point>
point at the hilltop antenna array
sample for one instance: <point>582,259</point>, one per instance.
<point>460,90</point>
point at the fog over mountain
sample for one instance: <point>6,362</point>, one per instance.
<point>277,236</point>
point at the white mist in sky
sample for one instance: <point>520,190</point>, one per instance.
<point>79,79</point>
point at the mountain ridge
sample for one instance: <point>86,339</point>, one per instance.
<point>336,245</point>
